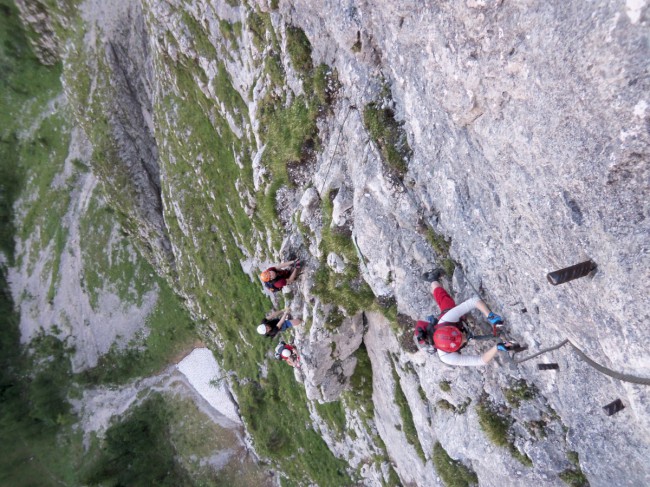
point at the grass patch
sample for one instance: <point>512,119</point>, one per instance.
<point>574,477</point>
<point>423,394</point>
<point>452,472</point>
<point>359,397</point>
<point>260,25</point>
<point>275,413</point>
<point>447,406</point>
<point>231,32</point>
<point>347,290</point>
<point>444,385</point>
<point>333,413</point>
<point>441,246</point>
<point>110,261</point>
<point>202,43</point>
<point>518,392</point>
<point>495,426</point>
<point>299,49</point>
<point>389,136</point>
<point>289,130</point>
<point>408,426</point>
<point>196,439</point>
<point>234,103</point>
<point>497,429</point>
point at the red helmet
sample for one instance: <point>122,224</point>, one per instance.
<point>448,338</point>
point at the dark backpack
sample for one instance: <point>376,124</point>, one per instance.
<point>270,286</point>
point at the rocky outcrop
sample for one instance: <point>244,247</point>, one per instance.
<point>45,42</point>
<point>117,113</point>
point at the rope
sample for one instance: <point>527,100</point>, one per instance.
<point>600,368</point>
<point>543,351</point>
<point>612,373</point>
<point>336,146</point>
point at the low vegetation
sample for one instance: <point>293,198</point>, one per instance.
<point>170,332</point>
<point>497,428</point>
<point>519,391</point>
<point>333,413</point>
<point>447,406</point>
<point>347,290</point>
<point>210,249</point>
<point>574,477</point>
<point>407,426</point>
<point>389,136</point>
<point>359,397</point>
<point>441,246</point>
<point>452,472</point>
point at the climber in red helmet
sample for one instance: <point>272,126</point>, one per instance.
<point>449,335</point>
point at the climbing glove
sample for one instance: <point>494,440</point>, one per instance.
<point>494,319</point>
<point>503,347</point>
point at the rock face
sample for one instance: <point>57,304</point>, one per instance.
<point>529,129</point>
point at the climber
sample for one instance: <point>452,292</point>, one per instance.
<point>280,275</point>
<point>276,322</point>
<point>449,334</point>
<point>288,353</point>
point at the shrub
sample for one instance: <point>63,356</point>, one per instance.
<point>138,451</point>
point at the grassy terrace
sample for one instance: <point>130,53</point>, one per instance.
<point>210,234</point>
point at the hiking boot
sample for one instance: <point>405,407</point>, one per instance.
<point>433,275</point>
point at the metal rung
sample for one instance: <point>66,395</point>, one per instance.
<point>548,366</point>
<point>613,407</point>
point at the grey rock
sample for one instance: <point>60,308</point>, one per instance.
<point>336,263</point>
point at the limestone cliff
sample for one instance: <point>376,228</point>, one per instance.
<point>376,140</point>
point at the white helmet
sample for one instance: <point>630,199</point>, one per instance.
<point>261,329</point>
<point>286,353</point>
